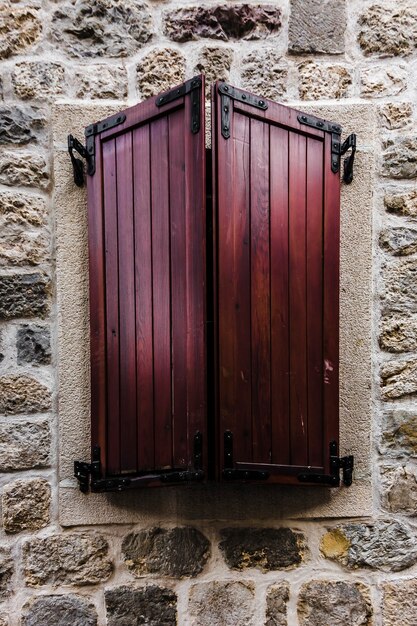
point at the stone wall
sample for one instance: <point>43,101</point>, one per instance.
<point>275,572</point>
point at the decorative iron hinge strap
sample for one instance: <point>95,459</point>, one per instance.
<point>337,463</point>
<point>193,87</point>
<point>232,473</point>
<point>227,92</point>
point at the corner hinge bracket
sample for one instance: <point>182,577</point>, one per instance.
<point>337,463</point>
<point>232,473</point>
<point>227,93</point>
<point>193,87</point>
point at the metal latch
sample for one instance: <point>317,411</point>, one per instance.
<point>350,142</point>
<point>77,164</point>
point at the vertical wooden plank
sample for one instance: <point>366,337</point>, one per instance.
<point>112,306</point>
<point>314,230</point>
<point>280,366</point>
<point>331,264</point>
<point>127,308</point>
<point>97,306</point>
<point>161,293</point>
<point>298,322</point>
<point>260,292</point>
<point>178,246</point>
<point>143,290</point>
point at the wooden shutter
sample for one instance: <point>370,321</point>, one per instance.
<point>276,290</point>
<point>146,208</point>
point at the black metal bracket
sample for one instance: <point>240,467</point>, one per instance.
<point>227,93</point>
<point>337,463</point>
<point>77,164</point>
<point>232,473</point>
<point>350,142</point>
<point>192,86</point>
<point>90,476</point>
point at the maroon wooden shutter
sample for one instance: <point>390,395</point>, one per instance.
<point>146,207</point>
<point>277,290</point>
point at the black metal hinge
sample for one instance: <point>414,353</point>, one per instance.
<point>337,464</point>
<point>228,93</point>
<point>89,475</point>
<point>232,473</point>
<point>192,86</point>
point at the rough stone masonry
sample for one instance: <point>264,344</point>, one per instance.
<point>274,573</point>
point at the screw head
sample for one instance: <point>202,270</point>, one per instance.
<point>262,103</point>
<point>243,96</point>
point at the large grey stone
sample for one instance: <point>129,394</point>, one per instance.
<point>24,295</point>
<point>24,445</point>
<point>334,603</point>
<point>160,70</point>
<point>398,333</point>
<point>38,79</point>
<point>399,602</point>
<point>148,606</point>
<point>222,21</point>
<point>399,241</point>
<point>220,603</point>
<point>6,573</point>
<point>20,28</point>
<point>26,504</point>
<point>21,210</point>
<point>317,26</point>
<point>398,379</point>
<point>394,115</point>
<point>176,552</point>
<point>101,28</point>
<point>72,559</point>
<point>266,549</point>
<point>33,345</point>
<point>384,545</point>
<point>59,610</point>
<point>25,169</point>
<point>101,81</point>
<point>400,157</point>
<point>21,124</point>
<point>388,30</point>
<point>397,289</point>
<point>265,73</point>
<point>323,81</point>
<point>399,433</point>
<point>381,81</point>
<point>402,203</point>
<point>23,394</point>
<point>276,604</point>
<point>399,489</point>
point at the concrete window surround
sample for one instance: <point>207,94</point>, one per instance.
<point>235,502</point>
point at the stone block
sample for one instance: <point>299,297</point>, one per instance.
<point>101,28</point>
<point>70,559</point>
<point>399,157</point>
<point>24,445</point>
<point>385,545</point>
<point>23,394</point>
<point>398,333</point>
<point>397,288</point>
<point>276,604</point>
<point>388,30</point>
<point>6,573</point>
<point>101,82</point>
<point>267,549</point>
<point>215,63</point>
<point>21,124</point>
<point>177,552</point>
<point>317,26</point>
<point>25,505</point>
<point>24,295</point>
<point>399,602</point>
<point>398,379</point>
<point>222,21</point>
<point>151,605</point>
<point>20,29</point>
<point>402,203</point>
<point>399,433</point>
<point>38,79</point>
<point>24,169</point>
<point>323,81</point>
<point>23,248</point>
<point>399,241</point>
<point>33,345</point>
<point>334,603</point>
<point>381,81</point>
<point>160,70</point>
<point>221,603</point>
<point>265,73</point>
<point>21,210</point>
<point>395,115</point>
<point>59,610</point>
<point>399,489</point>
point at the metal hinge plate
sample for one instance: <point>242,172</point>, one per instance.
<point>232,473</point>
<point>337,463</point>
<point>227,93</point>
<point>193,87</point>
